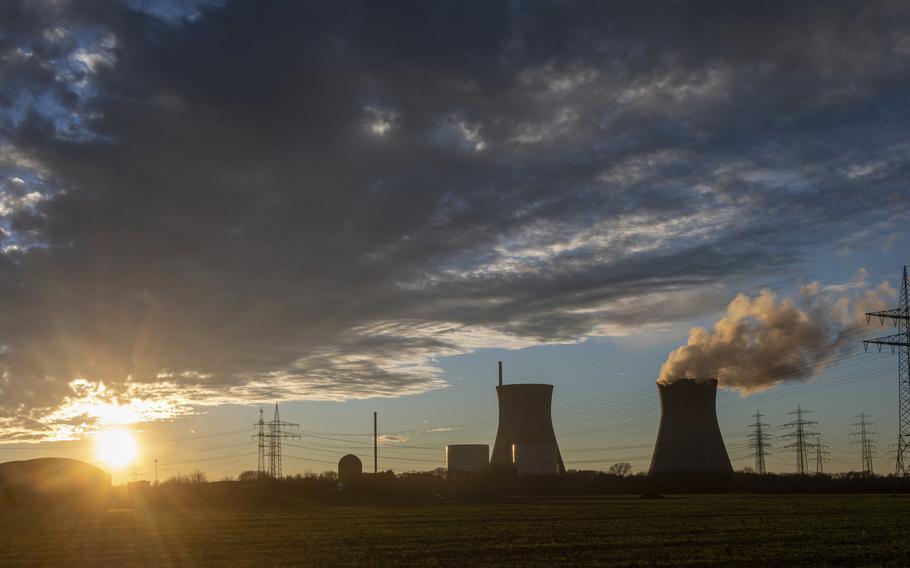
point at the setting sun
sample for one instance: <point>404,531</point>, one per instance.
<point>116,448</point>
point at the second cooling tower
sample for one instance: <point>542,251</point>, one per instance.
<point>689,439</point>
<point>525,436</point>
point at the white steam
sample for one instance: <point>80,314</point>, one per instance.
<point>761,342</point>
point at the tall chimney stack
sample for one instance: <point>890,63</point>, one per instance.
<point>500,373</point>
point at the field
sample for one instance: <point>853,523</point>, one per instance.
<point>850,530</point>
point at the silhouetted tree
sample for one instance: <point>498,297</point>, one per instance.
<point>248,475</point>
<point>198,477</point>
<point>620,469</point>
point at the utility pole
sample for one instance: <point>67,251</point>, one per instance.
<point>156,471</point>
<point>375,442</point>
<point>758,443</point>
<point>799,435</point>
<point>269,439</point>
<point>866,443</point>
<point>899,342</point>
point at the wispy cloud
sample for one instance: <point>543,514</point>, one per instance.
<point>392,438</point>
<point>391,199</point>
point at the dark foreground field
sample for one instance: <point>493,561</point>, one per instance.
<point>618,531</point>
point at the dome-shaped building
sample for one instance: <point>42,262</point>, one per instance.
<point>349,468</point>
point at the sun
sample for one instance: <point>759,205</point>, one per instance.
<point>116,448</point>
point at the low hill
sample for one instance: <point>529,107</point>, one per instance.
<point>53,483</point>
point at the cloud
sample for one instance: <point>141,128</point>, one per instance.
<point>761,342</point>
<point>391,438</point>
<point>858,281</point>
<point>324,210</point>
<point>380,121</point>
<point>888,245</point>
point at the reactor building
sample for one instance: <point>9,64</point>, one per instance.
<point>349,469</point>
<point>689,439</point>
<point>525,437</point>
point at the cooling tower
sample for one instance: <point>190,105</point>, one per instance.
<point>536,459</point>
<point>689,439</point>
<point>524,420</point>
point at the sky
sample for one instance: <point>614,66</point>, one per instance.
<point>346,207</point>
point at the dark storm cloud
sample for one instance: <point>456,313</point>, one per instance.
<point>304,200</point>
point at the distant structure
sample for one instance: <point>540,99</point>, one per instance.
<point>899,342</point>
<point>759,443</point>
<point>689,438</point>
<point>525,422</point>
<point>349,469</point>
<point>821,455</point>
<point>53,483</point>
<point>467,458</point>
<point>800,436</point>
<point>864,437</point>
<point>269,438</point>
<point>536,459</point>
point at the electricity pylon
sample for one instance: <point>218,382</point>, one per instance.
<point>799,436</point>
<point>821,455</point>
<point>864,437</point>
<point>269,438</point>
<point>759,443</point>
<point>900,343</point>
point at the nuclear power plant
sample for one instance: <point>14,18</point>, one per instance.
<point>525,437</point>
<point>689,439</point>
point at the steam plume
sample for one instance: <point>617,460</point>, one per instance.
<point>761,342</point>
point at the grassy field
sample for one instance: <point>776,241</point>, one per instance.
<point>850,530</point>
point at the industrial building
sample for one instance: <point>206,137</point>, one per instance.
<point>689,438</point>
<point>350,469</point>
<point>467,458</point>
<point>525,437</point>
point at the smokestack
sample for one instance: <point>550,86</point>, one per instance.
<point>689,439</point>
<point>500,373</point>
<point>525,421</point>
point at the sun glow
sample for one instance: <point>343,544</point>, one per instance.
<point>116,448</point>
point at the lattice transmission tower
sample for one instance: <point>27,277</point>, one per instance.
<point>800,436</point>
<point>269,437</point>
<point>900,343</point>
<point>759,442</point>
<point>822,455</point>
<point>260,437</point>
<point>864,437</point>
